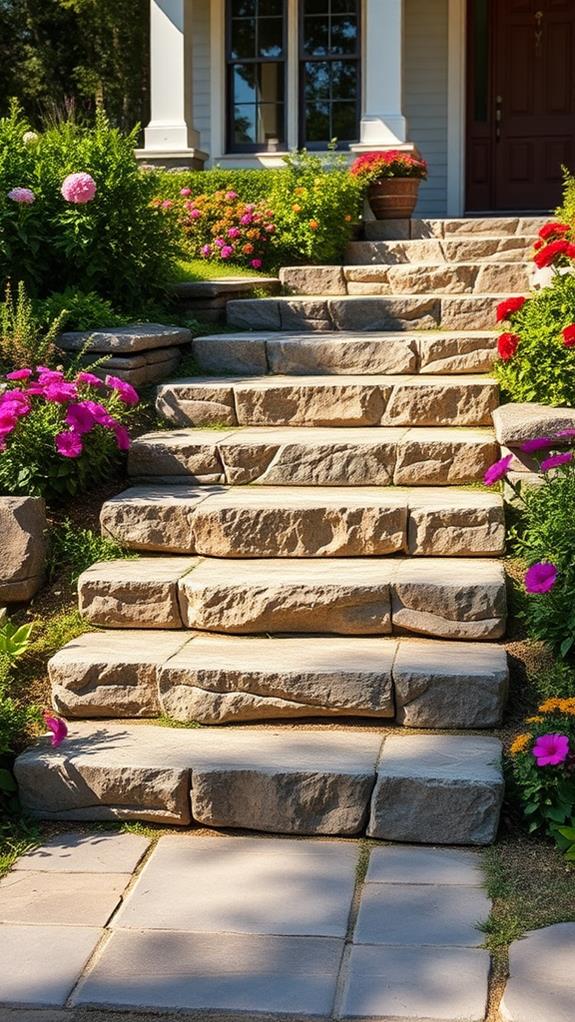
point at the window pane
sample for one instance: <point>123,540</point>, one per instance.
<point>315,36</point>
<point>244,83</point>
<point>316,6</point>
<point>244,129</point>
<point>317,122</point>
<point>271,82</point>
<point>343,35</point>
<point>270,37</point>
<point>243,38</point>
<point>316,80</point>
<point>243,8</point>
<point>344,6</point>
<point>271,8</point>
<point>270,122</point>
<point>344,122</point>
<point>344,79</point>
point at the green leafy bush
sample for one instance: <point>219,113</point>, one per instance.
<point>76,549</point>
<point>77,310</point>
<point>24,337</point>
<point>16,716</point>
<point>251,185</point>
<point>223,229</point>
<point>556,680</point>
<point>114,242</point>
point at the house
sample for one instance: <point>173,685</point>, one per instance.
<point>485,89</point>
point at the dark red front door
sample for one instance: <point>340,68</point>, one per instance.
<point>521,102</point>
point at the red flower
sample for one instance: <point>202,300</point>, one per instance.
<point>553,229</point>
<point>547,256</point>
<point>507,345</point>
<point>538,244</point>
<point>569,336</point>
<point>509,307</point>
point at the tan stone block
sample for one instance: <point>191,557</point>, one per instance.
<point>231,353</point>
<point>313,280</point>
<point>198,402</point>
<point>455,523</point>
<point>437,457</point>
<point>23,540</point>
<point>342,354</point>
<point>315,401</point>
<point>304,314</point>
<point>449,599</point>
<point>497,277</point>
<point>411,279</point>
<point>176,452</point>
<point>254,314</point>
<point>443,401</point>
<point>516,423</point>
<point>457,353</point>
<point>153,518</point>
<point>139,593</point>
<point>474,312</point>
<point>357,313</point>
<point>475,225</point>
<point>125,339</point>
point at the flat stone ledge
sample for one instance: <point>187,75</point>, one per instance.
<point>540,984</point>
<point>125,339</point>
<point>64,899</point>
<point>516,423</point>
<point>225,286</point>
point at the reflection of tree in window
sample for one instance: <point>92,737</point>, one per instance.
<point>330,71</point>
<point>256,73</point>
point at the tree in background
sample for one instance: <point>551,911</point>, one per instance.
<point>62,57</point>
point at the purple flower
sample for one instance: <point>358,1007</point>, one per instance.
<point>24,196</point>
<point>497,471</point>
<point>89,379</point>
<point>234,232</point>
<point>19,374</point>
<point>60,393</point>
<point>58,727</point>
<point>206,251</point>
<point>551,750</point>
<point>555,460</point>
<point>99,413</point>
<point>541,577</point>
<point>124,390</point>
<point>539,443</point>
<point>195,214</point>
<point>122,437</point>
<point>226,251</point>
<point>80,419</point>
<point>231,195</point>
<point>567,432</point>
<point>246,219</point>
<point>69,445</point>
<point>78,188</point>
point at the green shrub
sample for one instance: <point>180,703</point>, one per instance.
<point>117,244</point>
<point>77,310</point>
<point>16,716</point>
<point>75,549</point>
<point>251,185</point>
<point>557,680</point>
<point>26,338</point>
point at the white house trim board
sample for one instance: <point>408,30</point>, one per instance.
<point>383,124</point>
<point>456,107</point>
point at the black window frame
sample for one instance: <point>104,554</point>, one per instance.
<point>252,147</point>
<point>303,59</point>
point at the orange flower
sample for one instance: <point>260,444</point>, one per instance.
<point>347,218</point>
<point>520,744</point>
<point>314,224</point>
<point>247,249</point>
<point>296,208</point>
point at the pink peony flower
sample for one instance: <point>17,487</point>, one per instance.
<point>78,188</point>
<point>497,471</point>
<point>230,196</point>
<point>122,437</point>
<point>58,727</point>
<point>226,251</point>
<point>80,419</point>
<point>206,251</point>
<point>19,374</point>
<point>8,419</point>
<point>234,232</point>
<point>69,445</point>
<point>46,376</point>
<point>256,264</point>
<point>540,578</point>
<point>167,204</point>
<point>539,443</point>
<point>184,192</point>
<point>124,390</point>
<point>246,219</point>
<point>551,750</point>
<point>89,380</point>
<point>555,460</point>
<point>219,242</point>
<point>22,195</point>
<point>195,214</point>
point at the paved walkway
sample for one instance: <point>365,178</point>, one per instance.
<point>270,927</point>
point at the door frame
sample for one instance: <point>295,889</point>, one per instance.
<point>456,106</point>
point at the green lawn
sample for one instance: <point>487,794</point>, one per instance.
<point>201,269</point>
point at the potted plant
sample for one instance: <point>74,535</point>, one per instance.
<point>392,180</point>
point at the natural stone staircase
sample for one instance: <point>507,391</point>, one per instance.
<point>310,551</point>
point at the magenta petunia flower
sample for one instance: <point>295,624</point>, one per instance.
<point>195,214</point>
<point>551,750</point>
<point>234,232</point>
<point>24,196</point>
<point>230,196</point>
<point>89,379</point>
<point>8,419</point>
<point>78,188</point>
<point>58,727</point>
<point>122,437</point>
<point>246,219</point>
<point>60,392</point>
<point>539,443</point>
<point>69,445</point>
<point>124,390</point>
<point>99,413</point>
<point>256,264</point>
<point>541,577</point>
<point>80,419</point>
<point>185,192</point>
<point>555,461</point>
<point>19,374</point>
<point>206,251</point>
<point>226,251</point>
<point>497,471</point>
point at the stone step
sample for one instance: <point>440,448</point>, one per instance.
<point>330,401</point>
<point>378,456</point>
<point>429,352</point>
<point>221,521</point>
<point>417,788</point>
<point>460,598</point>
<point>464,227</point>
<point>366,312</point>
<point>482,249</point>
<point>220,680</point>
<point>124,340</point>
<point>440,278</point>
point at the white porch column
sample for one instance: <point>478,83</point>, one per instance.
<point>382,123</point>
<point>171,130</point>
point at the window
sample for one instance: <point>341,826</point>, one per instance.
<point>329,72</point>
<point>256,51</point>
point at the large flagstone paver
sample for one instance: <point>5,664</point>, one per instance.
<point>244,885</point>
<point>421,914</point>
<point>216,972</point>
<point>404,864</point>
<point>86,853</point>
<point>75,899</point>
<point>541,969</point>
<point>431,984</point>
<point>42,964</point>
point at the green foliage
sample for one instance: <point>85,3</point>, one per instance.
<point>25,337</point>
<point>566,212</point>
<point>117,245</point>
<point>543,369</point>
<point>16,716</point>
<point>557,680</point>
<point>251,185</point>
<point>546,532</point>
<point>77,310</point>
<point>14,641</point>
<point>73,549</point>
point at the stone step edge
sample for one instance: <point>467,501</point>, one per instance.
<point>349,785</point>
<point>143,684</point>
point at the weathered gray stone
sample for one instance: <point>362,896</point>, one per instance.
<point>60,899</point>
<point>140,593</point>
<point>254,314</point>
<point>154,518</point>
<point>412,279</point>
<point>215,680</point>
<point>391,253</point>
<point>179,452</point>
<point>282,887</point>
<point>455,523</point>
<point>42,964</point>
<point>85,853</point>
<point>305,314</point>
<point>206,973</point>
<point>450,599</point>
<point>429,984</point>
<point>342,354</point>
<point>358,313</point>
<point>402,864</point>
<point>153,372</point>
<point>111,674</point>
<point>516,423</point>
<point>434,457</point>
<point>198,402</point>
<point>438,790</point>
<point>415,915</point>
<point>23,528</point>
<point>125,338</point>
<point>313,280</point>
<point>231,353</point>
<point>540,984</point>
<point>450,684</point>
<point>457,353</point>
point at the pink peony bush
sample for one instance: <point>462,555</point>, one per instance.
<point>58,436</point>
<point>78,188</point>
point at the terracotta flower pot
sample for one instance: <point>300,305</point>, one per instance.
<point>393,198</point>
